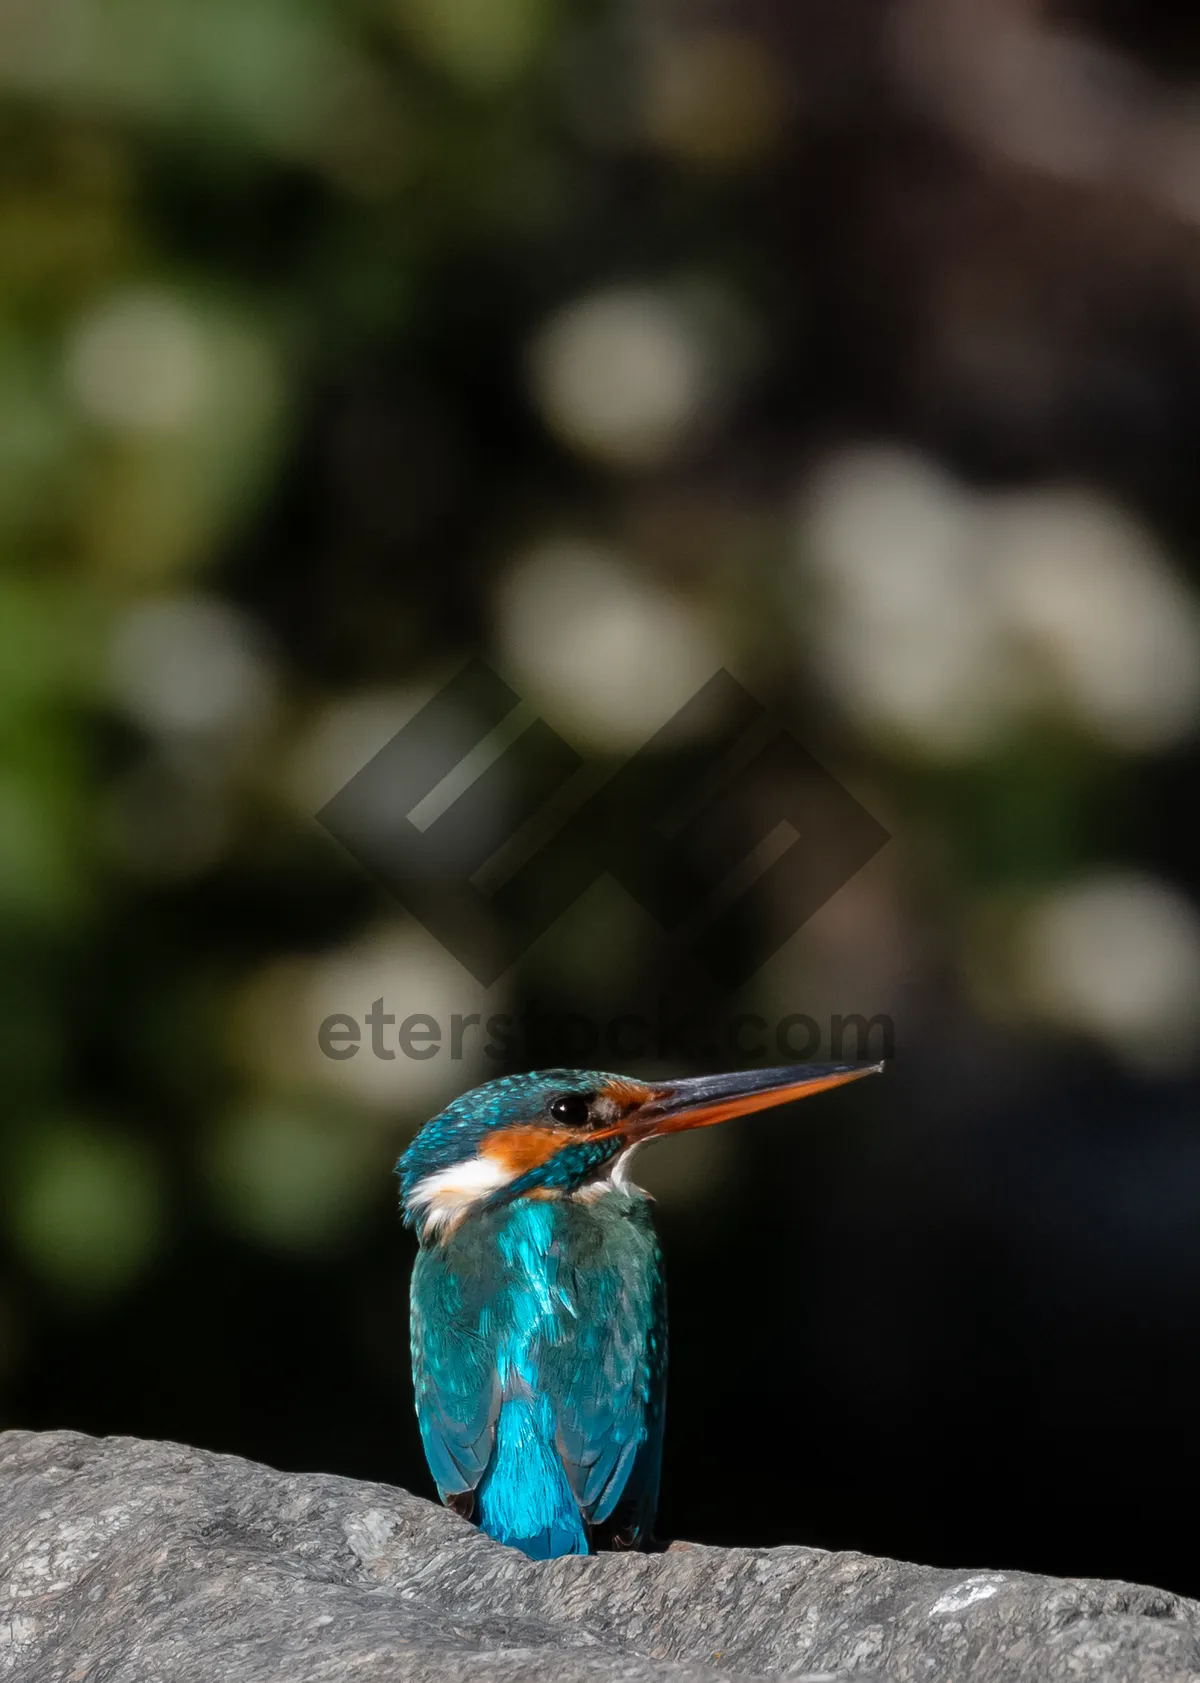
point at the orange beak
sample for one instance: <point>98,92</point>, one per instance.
<point>702,1100</point>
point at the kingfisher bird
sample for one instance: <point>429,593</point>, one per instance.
<point>539,1317</point>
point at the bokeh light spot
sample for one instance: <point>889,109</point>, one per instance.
<point>277,1016</point>
<point>193,666</point>
<point>290,1177</point>
<point>1118,957</point>
<point>604,652</point>
<point>714,98</point>
<point>136,363</point>
<point>86,1207</point>
<point>622,376</point>
<point>948,617</point>
<point>900,632</point>
<point>1085,589</point>
<point>480,42</point>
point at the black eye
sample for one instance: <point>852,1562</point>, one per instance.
<point>571,1109</point>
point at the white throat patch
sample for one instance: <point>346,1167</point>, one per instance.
<point>445,1196</point>
<point>615,1178</point>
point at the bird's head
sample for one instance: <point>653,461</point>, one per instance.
<point>567,1132</point>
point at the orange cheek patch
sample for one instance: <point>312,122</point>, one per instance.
<point>627,1095</point>
<point>518,1150</point>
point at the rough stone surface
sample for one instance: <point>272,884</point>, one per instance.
<point>131,1562</point>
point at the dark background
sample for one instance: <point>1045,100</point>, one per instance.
<point>854,347</point>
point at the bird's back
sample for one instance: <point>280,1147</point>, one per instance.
<point>539,1353</point>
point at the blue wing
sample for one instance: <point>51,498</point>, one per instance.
<point>609,1380</point>
<point>455,1372</point>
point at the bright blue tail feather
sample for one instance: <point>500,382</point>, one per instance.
<point>525,1499</point>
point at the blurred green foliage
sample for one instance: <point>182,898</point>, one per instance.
<point>203,212</point>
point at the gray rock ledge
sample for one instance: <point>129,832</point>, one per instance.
<point>131,1562</point>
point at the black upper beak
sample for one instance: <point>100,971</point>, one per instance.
<point>701,1100</point>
